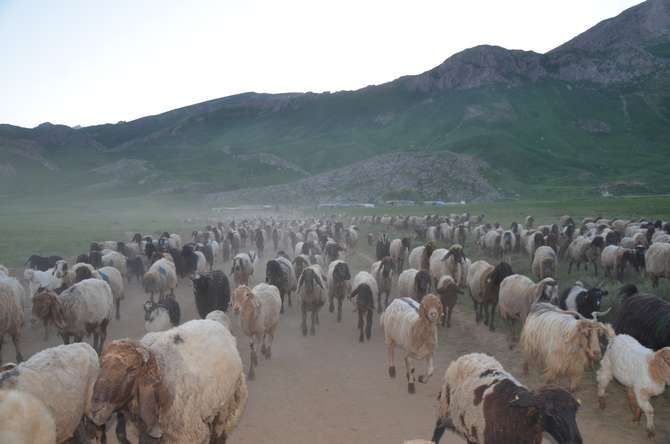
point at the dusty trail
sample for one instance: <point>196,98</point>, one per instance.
<point>330,388</point>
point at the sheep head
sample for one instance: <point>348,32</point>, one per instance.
<point>341,272</point>
<point>309,279</point>
<point>585,337</point>
<point>547,290</point>
<point>129,373</point>
<point>659,367</point>
<point>557,412</point>
<point>47,307</point>
<point>242,296</point>
<point>431,308</point>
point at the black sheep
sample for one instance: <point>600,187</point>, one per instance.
<point>206,249</point>
<point>135,267</point>
<point>584,301</point>
<point>383,247</point>
<point>42,263</point>
<point>278,275</point>
<point>365,306</point>
<point>644,317</point>
<point>212,292</point>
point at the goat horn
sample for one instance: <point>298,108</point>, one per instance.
<point>595,314</point>
<point>600,284</point>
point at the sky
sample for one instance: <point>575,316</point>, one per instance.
<point>82,62</point>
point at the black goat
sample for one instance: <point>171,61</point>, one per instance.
<point>644,317</point>
<point>211,291</point>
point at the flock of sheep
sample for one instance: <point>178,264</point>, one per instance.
<point>185,382</point>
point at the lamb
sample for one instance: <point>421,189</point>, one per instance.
<point>364,290</point>
<point>414,283</point>
<point>243,268</point>
<point>644,372</point>
<point>83,309</point>
<point>211,291</point>
<point>182,385</point>
<point>62,378</point>
<point>483,284</point>
<point>115,259</point>
<point>399,250</point>
<point>162,315</point>
<point>518,294</point>
<point>412,327</point>
<point>383,273</point>
<point>657,260</point>
<point>494,407</point>
<point>584,301</point>
<point>448,291</point>
<point>585,250</point>
<point>339,285</point>
<point>161,277</point>
<point>545,262</point>
<point>419,258</point>
<point>644,317</point>
<point>259,317</point>
<point>11,318</point>
<point>25,419</point>
<point>311,294</point>
<point>280,273</point>
<point>561,342</point>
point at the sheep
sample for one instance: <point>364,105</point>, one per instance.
<point>162,315</point>
<point>351,237</point>
<point>456,264</point>
<point>584,301</point>
<point>490,242</point>
<point>339,285</point>
<point>161,277</point>
<point>507,243</point>
<point>414,283</point>
<point>364,290</point>
<point>221,317</point>
<point>382,271</point>
<point>42,263</point>
<point>545,262</point>
<point>41,279</point>
<point>383,247</point>
<point>311,294</point>
<point>211,291</point>
<point>643,371</point>
<point>243,268</point>
<point>614,259</point>
<point>657,261</point>
<point>25,419</point>
<point>483,283</point>
<point>585,250</point>
<point>280,273</point>
<point>485,404</point>
<point>182,385</point>
<point>83,309</point>
<point>399,250</point>
<point>115,259</point>
<point>115,280</point>
<point>448,291</point>
<point>11,318</point>
<point>419,258</point>
<point>644,317</point>
<point>17,288</point>
<point>332,250</point>
<point>62,378</point>
<point>560,342</point>
<point>412,327</point>
<point>135,267</point>
<point>259,317</point>
<point>518,294</point>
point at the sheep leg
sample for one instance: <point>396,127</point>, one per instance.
<point>389,354</point>
<point>46,330</point>
<point>604,377</point>
<point>15,340</point>
<point>654,281</point>
<point>120,429</point>
<point>312,328</point>
<point>368,325</point>
<point>339,309</point>
<point>570,266</point>
<point>449,311</point>
<point>595,268</point>
<point>331,303</point>
<point>476,304</point>
<point>429,370</point>
<point>304,319</point>
<point>632,404</point>
<point>510,333</point>
<point>117,303</point>
<point>409,369</point>
<point>360,324</point>
<point>253,359</point>
<point>263,348</point>
<point>645,406</point>
<point>268,349</point>
<point>493,315</point>
<point>379,302</point>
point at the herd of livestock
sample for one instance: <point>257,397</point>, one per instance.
<point>185,382</point>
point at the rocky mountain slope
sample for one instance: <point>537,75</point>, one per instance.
<point>590,115</point>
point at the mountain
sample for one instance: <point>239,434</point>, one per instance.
<point>590,116</point>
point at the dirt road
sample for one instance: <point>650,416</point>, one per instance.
<point>330,388</point>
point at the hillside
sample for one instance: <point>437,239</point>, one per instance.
<point>592,115</point>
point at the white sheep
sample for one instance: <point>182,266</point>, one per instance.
<point>259,317</point>
<point>221,317</point>
<point>62,377</point>
<point>399,250</point>
<point>115,259</point>
<point>183,385</point>
<point>383,273</point>
<point>11,317</point>
<point>412,327</point>
<point>419,257</point>
<point>160,278</point>
<point>41,279</point>
<point>545,262</point>
<point>365,289</point>
<point>243,268</point>
<point>161,315</point>
<point>339,285</point>
<point>83,309</point>
<point>113,277</point>
<point>312,296</point>
<point>414,283</point>
<point>657,260</point>
<point>516,296</point>
<point>614,258</point>
<point>641,370</point>
<point>25,419</point>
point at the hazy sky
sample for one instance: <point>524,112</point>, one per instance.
<point>87,62</point>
